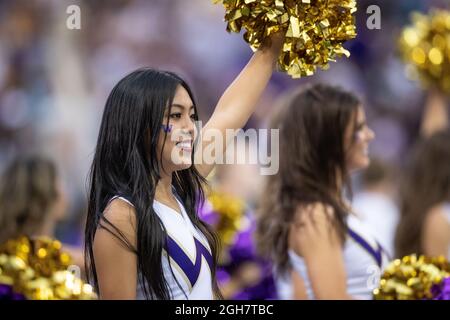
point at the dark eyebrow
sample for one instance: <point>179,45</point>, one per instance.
<point>181,106</point>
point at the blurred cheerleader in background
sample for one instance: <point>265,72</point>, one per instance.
<point>320,249</point>
<point>424,226</point>
<point>33,201</point>
<point>422,187</point>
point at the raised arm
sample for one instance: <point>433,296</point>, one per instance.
<point>239,100</point>
<point>435,117</point>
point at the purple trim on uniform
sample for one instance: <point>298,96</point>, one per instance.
<point>376,254</point>
<point>192,271</point>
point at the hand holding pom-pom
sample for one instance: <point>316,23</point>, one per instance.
<point>314,29</point>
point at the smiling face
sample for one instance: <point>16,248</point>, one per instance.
<point>357,139</point>
<point>177,138</point>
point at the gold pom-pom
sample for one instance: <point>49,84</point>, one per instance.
<point>38,270</point>
<point>231,211</point>
<point>412,278</point>
<point>315,29</point>
<point>425,47</point>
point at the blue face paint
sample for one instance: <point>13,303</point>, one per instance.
<point>167,128</point>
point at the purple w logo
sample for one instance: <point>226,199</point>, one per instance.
<point>192,270</point>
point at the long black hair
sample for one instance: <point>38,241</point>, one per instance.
<point>125,163</point>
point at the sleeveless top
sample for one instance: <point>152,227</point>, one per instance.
<point>364,261</point>
<point>187,261</point>
<point>447,215</point>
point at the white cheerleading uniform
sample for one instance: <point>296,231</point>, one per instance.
<point>364,260</point>
<point>189,254</point>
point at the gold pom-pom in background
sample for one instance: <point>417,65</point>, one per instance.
<point>38,270</point>
<point>231,211</point>
<point>412,278</point>
<point>425,47</point>
<point>315,29</point>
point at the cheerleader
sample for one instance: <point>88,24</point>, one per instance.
<point>321,250</point>
<point>424,226</point>
<point>33,201</point>
<point>143,237</point>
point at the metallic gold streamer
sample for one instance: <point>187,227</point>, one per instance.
<point>425,47</point>
<point>231,212</point>
<point>315,29</point>
<point>38,269</point>
<point>412,278</point>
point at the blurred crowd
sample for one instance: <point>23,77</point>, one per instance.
<point>54,83</point>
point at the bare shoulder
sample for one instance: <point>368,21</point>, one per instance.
<point>120,219</point>
<point>313,230</point>
<point>436,231</point>
<point>121,212</point>
<point>435,218</point>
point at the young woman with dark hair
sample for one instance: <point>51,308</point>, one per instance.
<point>143,236</point>
<point>424,226</point>
<point>306,226</point>
<point>32,199</point>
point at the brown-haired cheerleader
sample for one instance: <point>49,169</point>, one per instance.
<point>320,249</point>
<point>424,226</point>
